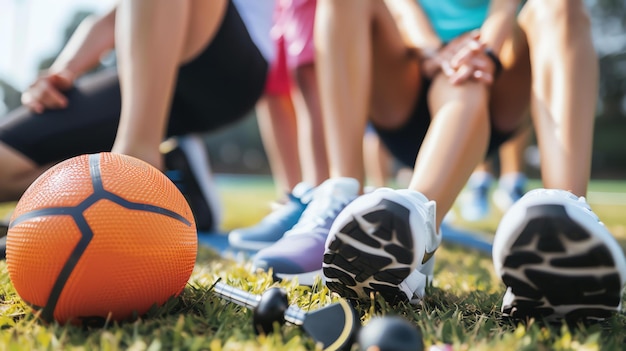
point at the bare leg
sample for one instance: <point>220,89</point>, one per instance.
<point>484,167</point>
<point>512,153</point>
<point>311,141</point>
<point>377,160</point>
<point>450,154</point>
<point>153,37</point>
<point>369,60</point>
<point>16,174</point>
<point>564,91</point>
<point>277,124</point>
<point>512,181</point>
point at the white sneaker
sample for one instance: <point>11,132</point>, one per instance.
<point>383,242</point>
<point>557,259</point>
<point>511,187</point>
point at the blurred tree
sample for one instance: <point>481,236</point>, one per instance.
<point>613,85</point>
<point>70,28</point>
<point>609,26</point>
<point>10,96</point>
<point>609,22</point>
<point>612,9</point>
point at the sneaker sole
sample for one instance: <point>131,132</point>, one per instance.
<point>358,263</point>
<point>557,268</point>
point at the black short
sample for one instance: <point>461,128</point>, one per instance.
<point>218,87</point>
<point>404,142</point>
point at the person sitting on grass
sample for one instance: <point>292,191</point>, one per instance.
<point>290,123</point>
<point>184,67</point>
<point>445,83</point>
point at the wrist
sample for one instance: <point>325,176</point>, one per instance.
<point>65,70</point>
<point>426,53</point>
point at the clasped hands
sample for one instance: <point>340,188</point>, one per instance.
<point>463,59</point>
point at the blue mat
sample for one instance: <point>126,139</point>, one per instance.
<point>466,238</point>
<point>215,241</point>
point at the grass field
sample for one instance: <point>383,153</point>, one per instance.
<point>462,307</point>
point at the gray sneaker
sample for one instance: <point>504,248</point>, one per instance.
<point>273,226</point>
<point>299,253</point>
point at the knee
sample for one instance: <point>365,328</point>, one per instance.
<point>344,10</point>
<point>565,16</point>
<point>468,103</point>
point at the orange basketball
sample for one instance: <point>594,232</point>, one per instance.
<point>100,236</point>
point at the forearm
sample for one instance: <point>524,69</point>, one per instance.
<point>414,25</point>
<point>93,38</point>
<point>499,23</point>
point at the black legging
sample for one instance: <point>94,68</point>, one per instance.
<point>218,87</point>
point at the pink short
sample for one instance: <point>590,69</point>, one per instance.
<point>294,22</point>
<point>278,80</point>
<point>293,36</point>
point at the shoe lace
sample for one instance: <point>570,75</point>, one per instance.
<point>320,214</point>
<point>281,211</point>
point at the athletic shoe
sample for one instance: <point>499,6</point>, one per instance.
<point>383,242</point>
<point>557,259</point>
<point>273,226</point>
<point>474,202</point>
<point>187,165</point>
<point>299,253</point>
<point>511,187</point>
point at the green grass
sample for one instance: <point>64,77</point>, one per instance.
<point>462,307</point>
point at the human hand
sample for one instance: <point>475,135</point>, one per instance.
<point>46,92</point>
<point>466,58</point>
<point>430,63</point>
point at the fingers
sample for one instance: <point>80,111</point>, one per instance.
<point>46,93</point>
<point>470,71</point>
<point>63,80</point>
<point>467,53</point>
<point>31,103</point>
<point>431,67</point>
<point>462,74</point>
<point>483,77</point>
<point>447,69</point>
<point>469,62</point>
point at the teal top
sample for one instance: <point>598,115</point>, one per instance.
<point>451,18</point>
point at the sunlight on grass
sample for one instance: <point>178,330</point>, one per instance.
<point>462,307</point>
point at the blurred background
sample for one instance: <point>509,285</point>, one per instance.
<point>32,32</point>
